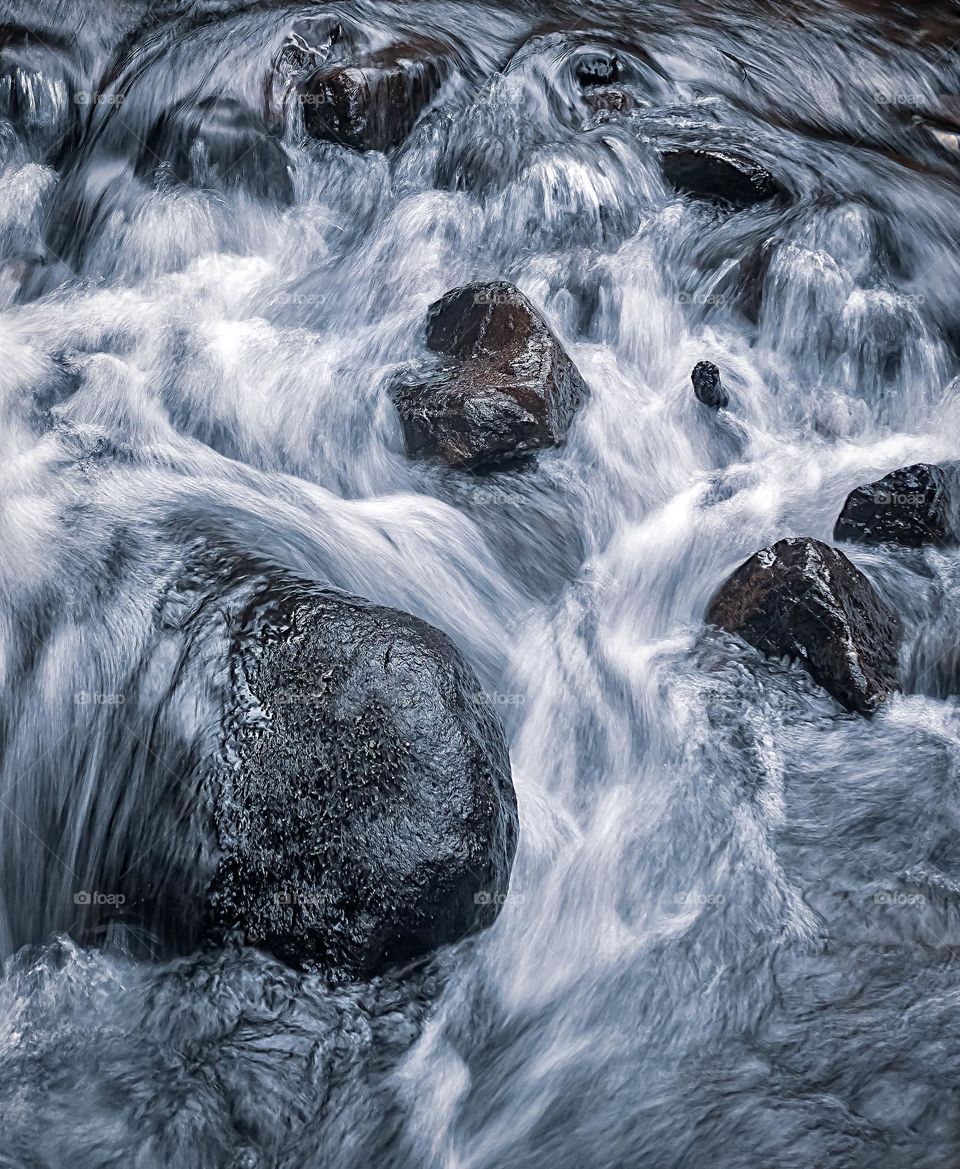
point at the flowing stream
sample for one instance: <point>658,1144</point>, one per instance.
<point>731,932</point>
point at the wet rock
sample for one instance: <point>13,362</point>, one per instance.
<point>912,506</point>
<point>218,142</point>
<point>608,100</point>
<point>721,177</point>
<point>708,387</point>
<point>597,68</point>
<point>500,387</point>
<point>373,103</point>
<point>805,600</point>
<point>308,45</point>
<point>370,814</point>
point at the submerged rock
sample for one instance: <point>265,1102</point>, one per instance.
<point>598,68</point>
<point>912,506</point>
<point>500,388</point>
<point>805,600</point>
<point>308,44</point>
<point>721,177</point>
<point>708,387</point>
<point>373,103</point>
<point>218,142</point>
<point>369,815</point>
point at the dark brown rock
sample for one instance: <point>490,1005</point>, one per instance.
<point>912,506</point>
<point>720,177</point>
<point>373,103</point>
<point>499,388</point>
<point>806,601</point>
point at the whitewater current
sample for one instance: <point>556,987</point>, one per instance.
<point>731,934</point>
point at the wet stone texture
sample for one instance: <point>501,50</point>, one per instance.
<point>805,600</point>
<point>501,385</point>
<point>368,813</point>
<point>374,102</point>
<point>912,506</point>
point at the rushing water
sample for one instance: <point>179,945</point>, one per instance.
<point>731,931</point>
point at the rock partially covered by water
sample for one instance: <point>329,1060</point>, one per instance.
<point>501,385</point>
<point>721,177</point>
<point>708,387</point>
<point>373,103</point>
<point>598,68</point>
<point>912,506</point>
<point>218,142</point>
<point>806,601</point>
<point>369,814</point>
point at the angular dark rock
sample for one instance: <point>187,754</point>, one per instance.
<point>368,814</point>
<point>911,506</point>
<point>373,103</point>
<point>805,600</point>
<point>500,387</point>
<point>708,387</point>
<point>721,177</point>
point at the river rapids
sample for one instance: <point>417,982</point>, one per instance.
<point>732,930</point>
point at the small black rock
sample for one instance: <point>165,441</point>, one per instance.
<point>912,506</point>
<point>708,387</point>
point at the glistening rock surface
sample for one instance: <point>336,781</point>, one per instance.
<point>373,103</point>
<point>912,506</point>
<point>805,600</point>
<point>501,385</point>
<point>720,176</point>
<point>368,815</point>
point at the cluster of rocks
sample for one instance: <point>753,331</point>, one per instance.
<point>805,600</point>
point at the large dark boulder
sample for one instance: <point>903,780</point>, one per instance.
<point>500,387</point>
<point>373,103</point>
<point>368,813</point>
<point>720,176</point>
<point>806,601</point>
<point>912,506</point>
